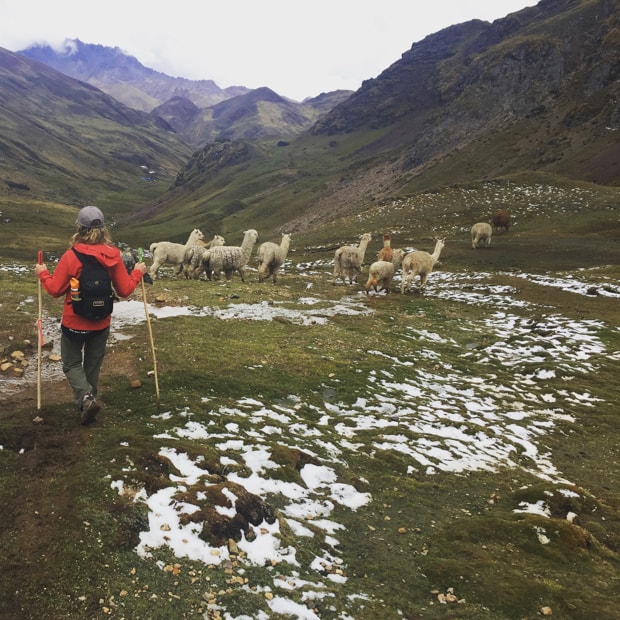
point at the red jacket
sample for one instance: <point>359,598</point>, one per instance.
<point>70,266</point>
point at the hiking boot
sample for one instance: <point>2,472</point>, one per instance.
<point>90,409</point>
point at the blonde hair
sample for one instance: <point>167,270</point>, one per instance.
<point>92,236</point>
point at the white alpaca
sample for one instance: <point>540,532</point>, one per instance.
<point>167,252</point>
<point>481,234</point>
<point>196,255</point>
<point>419,263</point>
<point>271,256</point>
<point>348,260</point>
<point>381,272</point>
<point>229,258</point>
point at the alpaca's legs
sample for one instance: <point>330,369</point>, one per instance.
<point>154,268</point>
<point>336,275</point>
<point>404,280</point>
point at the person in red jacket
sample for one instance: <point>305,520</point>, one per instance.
<point>83,341</point>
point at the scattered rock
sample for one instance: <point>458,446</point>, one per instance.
<point>232,547</point>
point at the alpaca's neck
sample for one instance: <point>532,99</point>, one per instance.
<point>192,240</point>
<point>247,244</point>
<point>363,246</point>
<point>284,245</point>
<point>436,252</point>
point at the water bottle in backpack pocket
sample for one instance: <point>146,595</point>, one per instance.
<point>95,296</point>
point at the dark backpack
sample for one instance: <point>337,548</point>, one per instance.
<point>96,295</point>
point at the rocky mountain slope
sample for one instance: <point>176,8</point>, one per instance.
<point>550,73</point>
<point>535,92</point>
<point>66,141</point>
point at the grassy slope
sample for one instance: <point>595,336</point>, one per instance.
<point>460,531</point>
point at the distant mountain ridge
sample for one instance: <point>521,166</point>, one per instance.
<point>125,78</point>
<point>198,110</point>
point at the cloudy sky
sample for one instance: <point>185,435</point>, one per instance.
<point>299,49</point>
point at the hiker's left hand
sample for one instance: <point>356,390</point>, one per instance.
<point>39,268</point>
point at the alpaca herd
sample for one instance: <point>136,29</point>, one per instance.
<point>217,260</point>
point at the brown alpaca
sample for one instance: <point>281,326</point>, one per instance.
<point>386,253</point>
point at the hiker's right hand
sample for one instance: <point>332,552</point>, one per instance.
<point>38,268</point>
<point>141,267</point>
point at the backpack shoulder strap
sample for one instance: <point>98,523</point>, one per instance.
<point>81,256</point>
<point>86,258</point>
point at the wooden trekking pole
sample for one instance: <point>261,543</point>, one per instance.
<point>39,335</point>
<point>148,323</point>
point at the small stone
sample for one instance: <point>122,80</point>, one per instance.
<point>136,383</point>
<point>232,547</point>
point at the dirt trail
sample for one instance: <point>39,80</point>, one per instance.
<point>39,506</point>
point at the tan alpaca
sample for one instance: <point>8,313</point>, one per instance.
<point>386,253</point>
<point>419,263</point>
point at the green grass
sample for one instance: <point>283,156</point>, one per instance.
<point>68,538</point>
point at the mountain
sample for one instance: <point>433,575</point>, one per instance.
<point>257,115</point>
<point>125,78</point>
<point>530,96</point>
<point>198,111</point>
<point>534,92</point>
<point>548,74</point>
<point>64,141</point>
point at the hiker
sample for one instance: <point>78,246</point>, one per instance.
<point>84,335</point>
